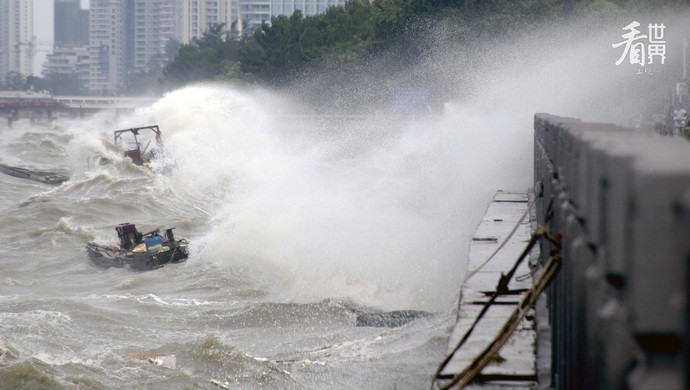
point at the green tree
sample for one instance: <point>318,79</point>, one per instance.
<point>65,83</point>
<point>149,81</point>
<point>36,84</point>
<point>57,84</point>
<point>145,83</point>
<point>171,49</point>
<point>289,46</point>
<point>15,81</point>
<point>205,58</point>
<point>368,39</point>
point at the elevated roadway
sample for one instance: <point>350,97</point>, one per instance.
<point>15,104</point>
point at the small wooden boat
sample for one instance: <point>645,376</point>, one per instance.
<point>139,251</point>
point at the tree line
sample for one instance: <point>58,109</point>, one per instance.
<point>289,46</point>
<point>357,39</point>
<point>55,83</point>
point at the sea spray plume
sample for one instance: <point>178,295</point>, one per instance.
<point>561,63</point>
<point>378,208</point>
<point>567,67</point>
<point>216,135</point>
<point>321,214</point>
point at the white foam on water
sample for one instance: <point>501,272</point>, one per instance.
<point>381,219</point>
<point>379,211</point>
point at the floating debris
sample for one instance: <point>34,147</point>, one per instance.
<point>54,178</point>
<point>168,361</point>
<point>485,239</point>
<point>390,319</point>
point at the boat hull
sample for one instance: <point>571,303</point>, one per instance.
<point>111,257</point>
<point>54,178</point>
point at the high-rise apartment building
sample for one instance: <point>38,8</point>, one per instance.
<point>71,36</point>
<point>152,24</point>
<point>16,37</point>
<point>107,45</point>
<point>71,24</point>
<point>253,12</point>
<point>198,15</point>
<point>128,36</point>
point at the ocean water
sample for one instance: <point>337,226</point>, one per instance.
<point>296,223</point>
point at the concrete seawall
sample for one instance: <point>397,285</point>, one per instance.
<point>497,243</point>
<point>619,308</point>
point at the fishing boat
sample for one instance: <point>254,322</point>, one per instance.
<point>136,143</point>
<point>139,251</point>
<point>135,138</point>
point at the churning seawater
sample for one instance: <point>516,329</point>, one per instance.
<point>296,223</point>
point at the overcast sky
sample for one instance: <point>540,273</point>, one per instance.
<point>43,30</point>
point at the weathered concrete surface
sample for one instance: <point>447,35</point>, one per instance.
<point>515,367</point>
<point>618,312</point>
<point>619,307</point>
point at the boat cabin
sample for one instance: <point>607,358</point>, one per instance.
<point>134,138</point>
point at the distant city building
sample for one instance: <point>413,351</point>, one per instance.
<point>71,24</point>
<point>75,60</point>
<point>16,37</point>
<point>107,45</point>
<point>128,36</point>
<point>253,12</point>
<point>197,16</point>
<point>152,24</point>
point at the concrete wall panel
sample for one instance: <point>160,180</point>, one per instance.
<point>619,306</point>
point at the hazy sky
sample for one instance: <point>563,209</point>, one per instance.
<point>43,30</point>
